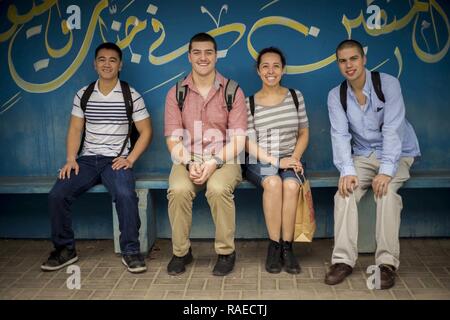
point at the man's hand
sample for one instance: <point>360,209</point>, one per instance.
<point>208,169</point>
<point>65,171</point>
<point>119,163</point>
<point>195,170</point>
<point>380,184</point>
<point>347,184</point>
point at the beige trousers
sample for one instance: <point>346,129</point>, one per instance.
<point>389,207</point>
<point>219,193</point>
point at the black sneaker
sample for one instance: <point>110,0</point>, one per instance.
<point>290,262</point>
<point>135,263</point>
<point>177,265</point>
<point>59,258</point>
<point>224,264</point>
<point>273,260</point>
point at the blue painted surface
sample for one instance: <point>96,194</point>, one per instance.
<point>33,125</point>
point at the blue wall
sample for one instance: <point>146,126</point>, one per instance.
<point>36,94</point>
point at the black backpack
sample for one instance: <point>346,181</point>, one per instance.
<point>229,93</point>
<point>251,101</point>
<point>376,81</point>
<point>133,134</point>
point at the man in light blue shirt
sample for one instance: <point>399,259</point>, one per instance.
<point>373,146</point>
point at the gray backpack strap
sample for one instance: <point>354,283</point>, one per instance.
<point>230,93</point>
<point>180,93</point>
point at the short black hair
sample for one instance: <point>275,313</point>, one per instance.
<point>350,43</point>
<point>270,50</point>
<point>110,46</point>
<point>202,37</point>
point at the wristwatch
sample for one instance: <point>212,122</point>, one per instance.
<point>218,161</point>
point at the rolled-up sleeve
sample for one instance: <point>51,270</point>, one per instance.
<point>340,136</point>
<point>394,116</point>
<point>237,119</point>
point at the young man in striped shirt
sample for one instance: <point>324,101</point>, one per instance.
<point>105,158</point>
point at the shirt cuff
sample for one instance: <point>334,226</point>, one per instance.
<point>348,171</point>
<point>388,169</point>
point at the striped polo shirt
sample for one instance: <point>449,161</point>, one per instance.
<point>275,128</point>
<point>106,120</point>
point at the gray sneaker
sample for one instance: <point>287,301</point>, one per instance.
<point>59,258</point>
<point>135,263</point>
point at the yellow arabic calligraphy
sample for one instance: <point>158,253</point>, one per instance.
<point>158,26</point>
<point>425,56</point>
<point>58,53</point>
<point>138,26</point>
<point>18,20</point>
<point>350,24</point>
<point>417,8</point>
<point>56,83</point>
<point>283,21</point>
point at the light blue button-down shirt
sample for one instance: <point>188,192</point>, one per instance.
<point>359,128</point>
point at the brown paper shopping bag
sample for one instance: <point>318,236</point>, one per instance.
<point>305,223</point>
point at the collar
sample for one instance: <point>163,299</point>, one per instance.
<point>117,87</point>
<point>367,89</point>
<point>219,81</point>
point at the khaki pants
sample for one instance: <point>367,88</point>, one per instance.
<point>388,214</point>
<point>219,193</point>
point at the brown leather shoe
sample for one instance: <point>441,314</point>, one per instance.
<point>337,273</point>
<point>387,276</point>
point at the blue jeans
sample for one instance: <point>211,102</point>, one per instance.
<point>257,173</point>
<point>120,184</point>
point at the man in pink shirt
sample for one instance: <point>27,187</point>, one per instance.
<point>204,138</point>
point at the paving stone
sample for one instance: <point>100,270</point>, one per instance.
<point>424,273</point>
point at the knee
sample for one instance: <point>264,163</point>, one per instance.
<point>219,190</point>
<point>272,184</point>
<point>56,195</point>
<point>179,192</point>
<point>125,194</point>
<point>291,186</point>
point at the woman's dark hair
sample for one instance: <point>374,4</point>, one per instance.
<point>270,50</point>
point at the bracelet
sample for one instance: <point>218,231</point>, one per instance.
<point>187,165</point>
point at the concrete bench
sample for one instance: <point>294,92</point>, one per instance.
<point>146,183</point>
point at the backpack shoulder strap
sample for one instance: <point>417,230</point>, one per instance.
<point>127,98</point>
<point>86,95</point>
<point>343,95</point>
<point>180,93</point>
<point>376,82</point>
<point>83,104</point>
<point>251,101</point>
<point>230,93</point>
<point>294,97</point>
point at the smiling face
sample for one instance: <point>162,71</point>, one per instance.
<point>203,58</point>
<point>108,64</point>
<point>271,69</point>
<point>351,64</point>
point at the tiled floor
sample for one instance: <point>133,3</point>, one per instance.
<point>424,273</point>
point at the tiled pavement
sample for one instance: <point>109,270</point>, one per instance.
<point>424,273</point>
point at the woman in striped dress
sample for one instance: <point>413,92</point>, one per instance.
<point>277,138</point>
